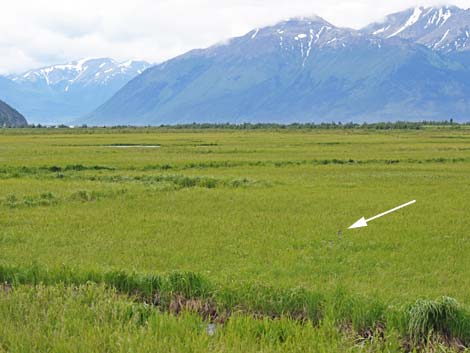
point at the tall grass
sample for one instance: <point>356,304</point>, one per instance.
<point>92,318</point>
<point>443,318</point>
<point>296,303</point>
<point>418,323</point>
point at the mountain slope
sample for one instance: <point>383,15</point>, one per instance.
<point>296,71</point>
<point>445,29</point>
<point>9,117</point>
<point>61,93</point>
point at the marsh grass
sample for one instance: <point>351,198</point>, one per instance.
<point>420,324</point>
<point>43,199</point>
<point>49,199</point>
<point>294,163</point>
<point>296,303</point>
<point>44,171</point>
<point>258,216</point>
<point>23,171</point>
<point>94,195</point>
<point>177,182</point>
<point>363,315</point>
<point>93,318</point>
<point>443,318</point>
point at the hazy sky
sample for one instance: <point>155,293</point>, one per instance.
<point>35,33</point>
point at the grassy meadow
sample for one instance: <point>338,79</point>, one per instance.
<point>123,240</point>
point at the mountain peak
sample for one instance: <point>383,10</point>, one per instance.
<point>445,28</point>
<point>294,24</point>
<point>304,21</point>
<point>85,71</point>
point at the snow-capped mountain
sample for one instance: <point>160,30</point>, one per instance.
<point>300,36</point>
<point>445,29</point>
<point>62,93</point>
<point>413,66</point>
<point>300,70</point>
<point>85,72</point>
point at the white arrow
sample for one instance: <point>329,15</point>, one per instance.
<point>363,222</point>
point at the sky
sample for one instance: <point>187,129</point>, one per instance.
<point>36,33</point>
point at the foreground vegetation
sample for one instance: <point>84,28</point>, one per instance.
<point>94,224</point>
<point>97,318</point>
<point>93,319</point>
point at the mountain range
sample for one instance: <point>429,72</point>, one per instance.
<point>413,65</point>
<point>62,93</point>
<point>444,29</point>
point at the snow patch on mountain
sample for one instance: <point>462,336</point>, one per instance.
<point>85,71</point>
<point>441,29</point>
<point>442,39</point>
<point>411,21</point>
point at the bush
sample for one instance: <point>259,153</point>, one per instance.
<point>441,317</point>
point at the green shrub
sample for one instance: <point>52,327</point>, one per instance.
<point>442,317</point>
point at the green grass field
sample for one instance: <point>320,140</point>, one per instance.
<point>256,215</point>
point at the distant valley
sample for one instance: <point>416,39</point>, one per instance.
<point>65,92</point>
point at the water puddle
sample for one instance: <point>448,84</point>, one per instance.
<point>132,146</point>
<point>211,329</point>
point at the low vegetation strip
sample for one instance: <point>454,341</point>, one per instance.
<point>177,181</point>
<point>23,171</point>
<point>293,163</point>
<point>418,324</point>
<point>44,199</point>
<point>17,172</point>
<point>49,199</point>
<point>174,181</point>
